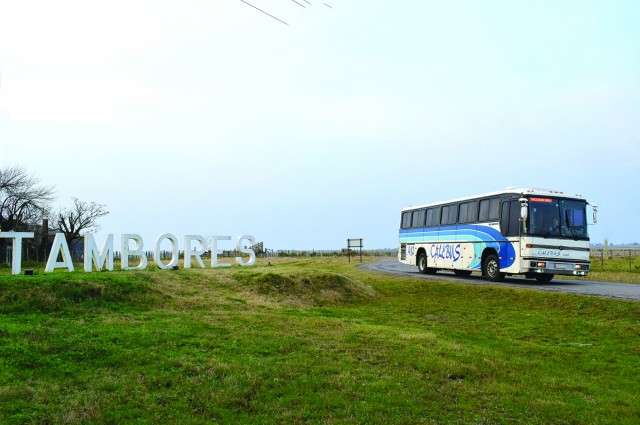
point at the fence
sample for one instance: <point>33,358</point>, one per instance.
<point>614,252</point>
<point>622,259</point>
<point>598,255</point>
<point>32,255</point>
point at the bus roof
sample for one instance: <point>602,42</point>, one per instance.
<point>508,190</point>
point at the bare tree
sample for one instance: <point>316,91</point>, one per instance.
<point>24,201</point>
<point>79,219</point>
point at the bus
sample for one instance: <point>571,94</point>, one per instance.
<point>537,233</point>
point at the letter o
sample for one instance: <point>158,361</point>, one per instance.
<point>175,253</point>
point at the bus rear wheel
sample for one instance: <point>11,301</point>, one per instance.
<point>422,264</point>
<point>544,277</point>
<point>462,273</point>
<point>491,268</point>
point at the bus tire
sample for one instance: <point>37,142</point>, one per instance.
<point>422,264</point>
<point>544,277</point>
<point>462,273</point>
<point>491,268</point>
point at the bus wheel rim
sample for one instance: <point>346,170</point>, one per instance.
<point>491,268</point>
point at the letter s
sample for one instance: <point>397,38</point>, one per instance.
<point>457,256</point>
<point>252,254</point>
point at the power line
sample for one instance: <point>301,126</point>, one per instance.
<point>299,4</point>
<point>328,5</point>
<point>268,14</point>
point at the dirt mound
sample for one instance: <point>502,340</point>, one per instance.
<point>311,289</point>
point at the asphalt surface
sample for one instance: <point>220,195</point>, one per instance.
<point>584,287</point>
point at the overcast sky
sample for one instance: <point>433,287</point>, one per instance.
<point>210,117</point>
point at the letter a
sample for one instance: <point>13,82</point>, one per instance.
<point>59,247</point>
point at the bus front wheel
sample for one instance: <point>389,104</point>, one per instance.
<point>492,269</point>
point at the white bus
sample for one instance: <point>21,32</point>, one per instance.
<point>533,232</point>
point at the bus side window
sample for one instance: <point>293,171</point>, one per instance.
<point>445,215</point>
<point>437,212</point>
<point>510,218</point>
<point>504,219</point>
<point>494,208</point>
<point>468,212</point>
<point>417,219</point>
<point>514,218</point>
<point>484,210</point>
<point>453,214</point>
<point>464,208</point>
<point>472,213</point>
<point>406,220</point>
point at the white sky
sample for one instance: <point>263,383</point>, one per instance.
<point>203,117</point>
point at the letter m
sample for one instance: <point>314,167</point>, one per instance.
<point>94,257</point>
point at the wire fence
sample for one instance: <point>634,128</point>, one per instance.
<point>614,252</point>
<point>618,259</point>
<point>33,255</point>
<point>599,256</point>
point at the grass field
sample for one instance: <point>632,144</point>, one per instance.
<point>616,269</point>
<point>309,340</point>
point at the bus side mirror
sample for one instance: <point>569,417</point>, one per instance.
<point>595,212</point>
<point>524,209</point>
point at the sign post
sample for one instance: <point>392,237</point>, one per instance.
<point>354,243</point>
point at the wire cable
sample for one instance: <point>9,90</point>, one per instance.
<point>268,14</point>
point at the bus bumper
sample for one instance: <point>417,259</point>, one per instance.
<point>566,268</point>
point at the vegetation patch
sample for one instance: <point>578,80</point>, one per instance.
<point>309,288</point>
<point>75,293</point>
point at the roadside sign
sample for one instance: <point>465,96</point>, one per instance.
<point>354,243</point>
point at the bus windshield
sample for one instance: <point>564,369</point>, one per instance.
<point>553,217</point>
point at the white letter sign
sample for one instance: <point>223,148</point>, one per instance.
<point>137,252</point>
<point>175,253</point>
<point>195,253</point>
<point>17,237</point>
<point>95,257</point>
<point>59,247</point>
<point>195,247</point>
<point>215,251</point>
<point>252,254</point>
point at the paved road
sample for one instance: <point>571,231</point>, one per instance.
<point>584,287</point>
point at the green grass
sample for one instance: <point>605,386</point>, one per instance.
<point>311,340</point>
<point>615,269</point>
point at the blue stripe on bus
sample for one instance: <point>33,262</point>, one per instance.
<point>483,235</point>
